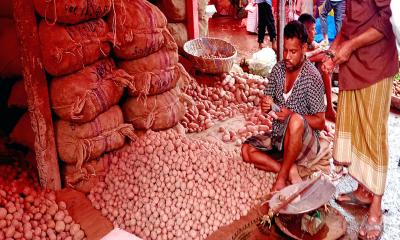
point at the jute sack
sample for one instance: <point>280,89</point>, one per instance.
<point>156,112</point>
<point>175,10</point>
<point>155,73</point>
<point>138,28</point>
<point>10,63</point>
<point>82,96</point>
<point>18,97</point>
<point>78,143</point>
<point>179,33</point>
<point>71,11</point>
<point>85,178</point>
<point>68,48</point>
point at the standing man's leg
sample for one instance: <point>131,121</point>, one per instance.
<point>271,27</point>
<point>262,22</point>
<point>324,21</point>
<point>339,9</point>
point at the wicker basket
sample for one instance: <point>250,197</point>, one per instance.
<point>210,55</point>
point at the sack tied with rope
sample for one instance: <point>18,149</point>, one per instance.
<point>79,143</point>
<point>68,48</point>
<point>82,96</point>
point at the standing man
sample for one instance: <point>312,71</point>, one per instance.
<point>365,49</point>
<point>296,87</point>
<point>338,7</point>
<point>266,19</point>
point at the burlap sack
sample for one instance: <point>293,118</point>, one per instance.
<point>156,112</point>
<point>71,11</point>
<point>18,97</point>
<point>155,73</point>
<point>179,33</point>
<point>78,143</point>
<point>82,96</point>
<point>175,10</point>
<point>22,132</point>
<point>10,63</point>
<point>86,177</point>
<point>68,48</point>
<point>137,28</point>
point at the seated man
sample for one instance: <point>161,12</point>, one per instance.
<point>296,87</point>
<point>316,54</point>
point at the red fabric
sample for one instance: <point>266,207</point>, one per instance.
<point>18,97</point>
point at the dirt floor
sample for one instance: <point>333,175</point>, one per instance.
<point>246,43</point>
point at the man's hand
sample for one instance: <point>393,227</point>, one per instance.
<point>344,52</point>
<point>283,114</point>
<point>266,103</point>
<point>327,65</point>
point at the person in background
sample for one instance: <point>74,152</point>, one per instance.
<point>316,54</point>
<point>295,87</point>
<point>338,7</point>
<point>266,19</point>
<point>365,49</point>
<point>305,6</point>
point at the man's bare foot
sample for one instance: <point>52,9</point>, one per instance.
<point>278,185</point>
<point>294,175</point>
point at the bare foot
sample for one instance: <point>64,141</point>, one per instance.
<point>278,185</point>
<point>294,175</point>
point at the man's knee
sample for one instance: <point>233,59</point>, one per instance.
<point>296,124</point>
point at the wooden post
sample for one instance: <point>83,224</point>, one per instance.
<point>281,25</point>
<point>37,92</point>
<point>192,15</point>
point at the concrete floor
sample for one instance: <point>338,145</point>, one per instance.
<point>246,43</point>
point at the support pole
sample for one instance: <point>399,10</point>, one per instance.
<point>192,14</point>
<point>281,25</point>
<point>37,93</point>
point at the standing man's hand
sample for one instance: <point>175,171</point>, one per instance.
<point>266,104</point>
<point>327,65</point>
<point>283,114</point>
<point>344,52</point>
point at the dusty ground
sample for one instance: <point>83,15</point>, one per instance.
<point>246,44</point>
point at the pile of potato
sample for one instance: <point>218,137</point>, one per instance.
<point>237,93</point>
<point>169,186</point>
<point>27,212</point>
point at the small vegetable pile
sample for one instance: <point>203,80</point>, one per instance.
<point>238,93</point>
<point>27,212</point>
<point>169,186</point>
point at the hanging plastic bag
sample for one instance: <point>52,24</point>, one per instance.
<point>262,62</point>
<point>395,20</point>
